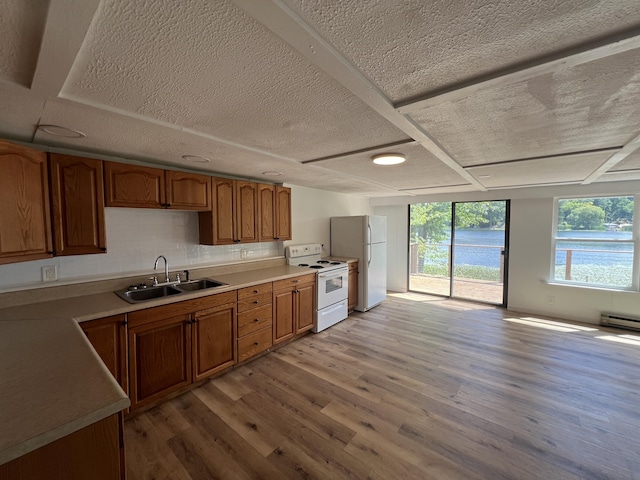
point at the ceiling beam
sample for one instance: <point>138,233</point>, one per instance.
<point>614,159</point>
<point>67,24</point>
<point>290,27</point>
<point>377,148</point>
<point>519,73</point>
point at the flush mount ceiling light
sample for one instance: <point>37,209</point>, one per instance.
<point>389,159</point>
<point>59,131</point>
<point>271,173</point>
<point>196,158</point>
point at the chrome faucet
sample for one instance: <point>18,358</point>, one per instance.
<point>166,267</point>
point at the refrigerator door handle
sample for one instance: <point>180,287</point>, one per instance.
<point>369,255</point>
<point>369,231</point>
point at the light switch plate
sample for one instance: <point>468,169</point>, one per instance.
<point>49,273</point>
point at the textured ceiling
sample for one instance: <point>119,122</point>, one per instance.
<point>478,95</point>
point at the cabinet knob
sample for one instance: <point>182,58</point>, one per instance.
<point>255,291</point>
<point>256,301</point>
<point>256,343</point>
<point>125,322</point>
<point>296,281</point>
<point>256,320</point>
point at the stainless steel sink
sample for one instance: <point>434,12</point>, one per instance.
<point>150,293</point>
<point>201,284</point>
<point>161,291</point>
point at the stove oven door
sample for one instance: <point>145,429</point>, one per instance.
<point>333,287</point>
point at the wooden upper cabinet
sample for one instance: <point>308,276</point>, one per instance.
<point>134,186</point>
<point>234,215</point>
<point>77,205</point>
<point>283,213</point>
<point>267,212</point>
<point>25,219</point>
<point>188,191</point>
<point>246,211</point>
<point>274,213</point>
<point>145,187</point>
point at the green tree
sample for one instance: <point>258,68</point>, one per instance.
<point>586,217</point>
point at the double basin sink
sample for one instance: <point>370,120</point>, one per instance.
<point>161,291</point>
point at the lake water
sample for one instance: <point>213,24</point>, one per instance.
<point>471,248</point>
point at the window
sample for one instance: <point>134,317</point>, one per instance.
<point>595,242</point>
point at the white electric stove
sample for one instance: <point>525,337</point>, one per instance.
<point>332,283</point>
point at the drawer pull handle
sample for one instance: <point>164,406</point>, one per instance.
<point>255,291</point>
<point>256,301</point>
<point>296,281</point>
<point>256,343</point>
<point>256,320</point>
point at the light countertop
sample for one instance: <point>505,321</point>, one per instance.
<point>52,384</point>
<point>52,381</point>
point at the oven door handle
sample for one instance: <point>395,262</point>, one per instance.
<point>332,275</point>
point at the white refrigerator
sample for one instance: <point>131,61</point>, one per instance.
<point>365,238</point>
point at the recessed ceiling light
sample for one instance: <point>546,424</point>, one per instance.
<point>59,131</point>
<point>196,158</point>
<point>271,173</point>
<point>389,159</point>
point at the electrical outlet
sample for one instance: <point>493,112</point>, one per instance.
<point>551,299</point>
<point>49,273</point>
<point>244,253</point>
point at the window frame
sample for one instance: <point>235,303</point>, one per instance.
<point>634,241</point>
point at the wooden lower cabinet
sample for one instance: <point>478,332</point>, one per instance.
<point>293,306</point>
<point>109,339</point>
<point>95,452</point>
<point>353,286</point>
<point>159,358</point>
<point>254,320</point>
<point>172,346</point>
<point>214,346</point>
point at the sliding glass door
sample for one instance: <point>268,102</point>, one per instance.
<point>460,250</point>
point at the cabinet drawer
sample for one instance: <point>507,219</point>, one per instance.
<point>254,302</point>
<point>250,292</point>
<point>293,282</point>
<point>254,320</point>
<point>254,343</point>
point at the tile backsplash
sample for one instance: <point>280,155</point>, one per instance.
<point>135,238</point>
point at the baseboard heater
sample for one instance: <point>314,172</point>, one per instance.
<point>619,321</point>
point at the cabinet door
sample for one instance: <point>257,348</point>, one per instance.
<point>188,191</point>
<point>246,211</point>
<point>77,205</point>
<point>109,339</point>
<point>267,212</point>
<point>353,285</point>
<point>25,221</point>
<point>217,227</point>
<point>305,307</point>
<point>283,213</point>
<point>159,359</point>
<point>284,311</point>
<point>214,340</point>
<point>134,186</point>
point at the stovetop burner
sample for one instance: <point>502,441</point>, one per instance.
<point>315,266</point>
<point>324,261</point>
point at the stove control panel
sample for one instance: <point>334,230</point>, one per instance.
<point>303,250</point>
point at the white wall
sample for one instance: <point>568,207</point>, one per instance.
<point>397,245</point>
<point>135,237</point>
<point>531,251</point>
<point>312,209</point>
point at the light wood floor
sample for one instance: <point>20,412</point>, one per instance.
<point>417,388</point>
